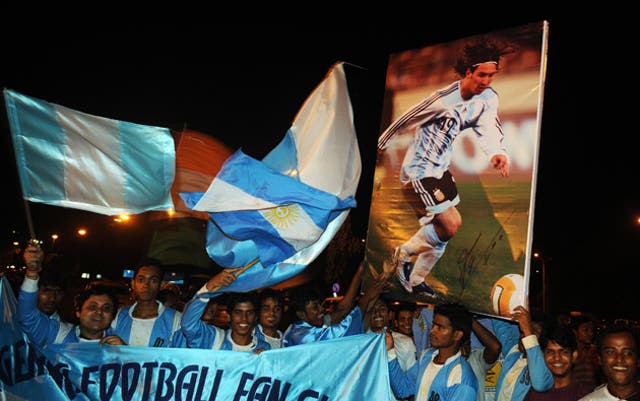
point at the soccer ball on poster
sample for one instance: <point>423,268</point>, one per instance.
<point>507,293</point>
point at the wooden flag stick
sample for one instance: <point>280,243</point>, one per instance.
<point>239,272</point>
<point>27,210</point>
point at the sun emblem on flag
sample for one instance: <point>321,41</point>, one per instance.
<point>282,216</point>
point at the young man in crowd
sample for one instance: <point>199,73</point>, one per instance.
<point>148,322</point>
<point>586,367</point>
<point>271,308</point>
<point>558,345</point>
<point>404,318</point>
<point>50,291</point>
<point>243,309</point>
<point>95,308</point>
<point>403,346</point>
<point>441,373</point>
<point>618,356</point>
<point>347,318</point>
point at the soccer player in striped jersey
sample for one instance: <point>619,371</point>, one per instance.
<point>469,103</point>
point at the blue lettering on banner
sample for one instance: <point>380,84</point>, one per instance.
<point>60,374</point>
<point>171,383</point>
<point>266,388</point>
<point>262,389</point>
<point>312,395</point>
<point>19,363</point>
<point>168,382</point>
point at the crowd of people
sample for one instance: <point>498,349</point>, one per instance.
<point>439,351</point>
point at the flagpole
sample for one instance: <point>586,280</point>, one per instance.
<point>239,272</point>
<point>27,211</point>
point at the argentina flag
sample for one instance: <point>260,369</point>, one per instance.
<point>71,159</point>
<point>285,209</point>
<point>280,214</point>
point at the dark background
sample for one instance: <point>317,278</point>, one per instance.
<point>243,83</point>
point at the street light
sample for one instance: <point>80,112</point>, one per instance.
<point>543,266</point>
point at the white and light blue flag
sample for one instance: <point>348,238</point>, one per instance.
<point>280,214</point>
<point>320,154</point>
<point>72,159</point>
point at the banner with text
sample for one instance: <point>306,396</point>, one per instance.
<point>319,371</point>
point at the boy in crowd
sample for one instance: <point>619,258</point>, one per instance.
<point>558,345</point>
<point>148,322</point>
<point>271,307</point>
<point>243,309</point>
<point>441,373</point>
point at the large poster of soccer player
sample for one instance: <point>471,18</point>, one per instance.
<point>453,199</point>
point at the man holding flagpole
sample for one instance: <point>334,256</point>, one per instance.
<point>96,306</point>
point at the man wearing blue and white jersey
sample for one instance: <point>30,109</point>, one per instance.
<point>95,308</point>
<point>403,345</point>
<point>243,310</point>
<point>50,292</point>
<point>523,366</point>
<point>441,373</point>
<point>469,103</point>
<point>315,323</point>
<point>148,322</point>
<point>271,307</point>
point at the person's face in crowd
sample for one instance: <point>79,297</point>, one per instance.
<point>314,313</point>
<point>146,283</point>
<point>209,314</point>
<point>442,333</point>
<point>481,78</point>
<point>33,255</point>
<point>243,319</point>
<point>404,320</point>
<point>270,313</point>
<point>379,316</point>
<point>619,358</point>
<point>585,333</point>
<point>95,316</point>
<point>49,298</point>
<point>171,300</point>
<point>559,359</point>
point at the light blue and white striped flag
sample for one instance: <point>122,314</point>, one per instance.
<point>292,203</point>
<point>71,159</point>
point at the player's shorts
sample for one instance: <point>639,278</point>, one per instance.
<point>436,194</point>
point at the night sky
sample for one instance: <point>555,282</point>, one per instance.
<point>244,84</point>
